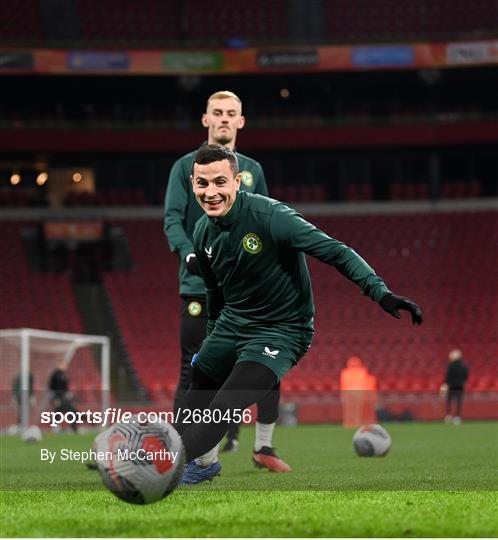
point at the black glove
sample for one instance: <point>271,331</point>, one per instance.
<point>192,264</point>
<point>392,303</point>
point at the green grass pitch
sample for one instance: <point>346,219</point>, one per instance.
<point>437,481</point>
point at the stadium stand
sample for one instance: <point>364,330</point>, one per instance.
<point>256,22</point>
<point>312,193</point>
<point>13,198</point>
<point>146,305</point>
<point>20,22</point>
<point>44,301</point>
<point>156,23</point>
<point>106,197</point>
<point>128,23</point>
<point>428,256</point>
<point>410,191</point>
<point>388,20</point>
<point>422,255</point>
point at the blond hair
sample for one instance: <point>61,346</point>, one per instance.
<point>454,355</point>
<point>223,94</point>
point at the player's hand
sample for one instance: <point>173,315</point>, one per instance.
<point>192,264</point>
<point>393,303</point>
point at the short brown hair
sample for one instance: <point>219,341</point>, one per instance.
<point>208,153</point>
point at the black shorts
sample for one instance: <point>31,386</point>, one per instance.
<point>278,347</point>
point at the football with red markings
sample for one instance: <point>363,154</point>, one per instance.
<point>140,463</point>
<point>371,440</point>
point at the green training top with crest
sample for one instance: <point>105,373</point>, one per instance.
<point>254,266</point>
<point>182,211</point>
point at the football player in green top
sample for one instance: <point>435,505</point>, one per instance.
<point>251,253</point>
<point>223,118</point>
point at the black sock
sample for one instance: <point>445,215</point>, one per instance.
<point>247,383</point>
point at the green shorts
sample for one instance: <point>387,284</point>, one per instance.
<point>278,347</point>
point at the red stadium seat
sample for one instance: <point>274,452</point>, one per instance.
<point>418,255</point>
<point>44,301</point>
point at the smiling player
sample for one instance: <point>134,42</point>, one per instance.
<point>251,252</point>
<point>223,118</point>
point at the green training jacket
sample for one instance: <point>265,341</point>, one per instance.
<point>253,263</point>
<point>181,212</point>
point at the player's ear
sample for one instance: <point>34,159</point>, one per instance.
<point>237,181</point>
<point>204,120</point>
<point>192,181</point>
<point>242,122</point>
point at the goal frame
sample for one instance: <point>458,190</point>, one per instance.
<point>78,340</point>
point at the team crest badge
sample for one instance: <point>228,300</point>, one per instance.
<point>247,178</point>
<point>252,243</point>
<point>194,309</point>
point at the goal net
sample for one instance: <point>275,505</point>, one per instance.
<point>28,359</point>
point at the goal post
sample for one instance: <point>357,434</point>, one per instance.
<point>29,356</point>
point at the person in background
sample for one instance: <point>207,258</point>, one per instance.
<point>60,397</point>
<point>358,394</point>
<point>222,119</point>
<point>457,374</point>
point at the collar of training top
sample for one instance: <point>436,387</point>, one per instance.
<point>231,216</point>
